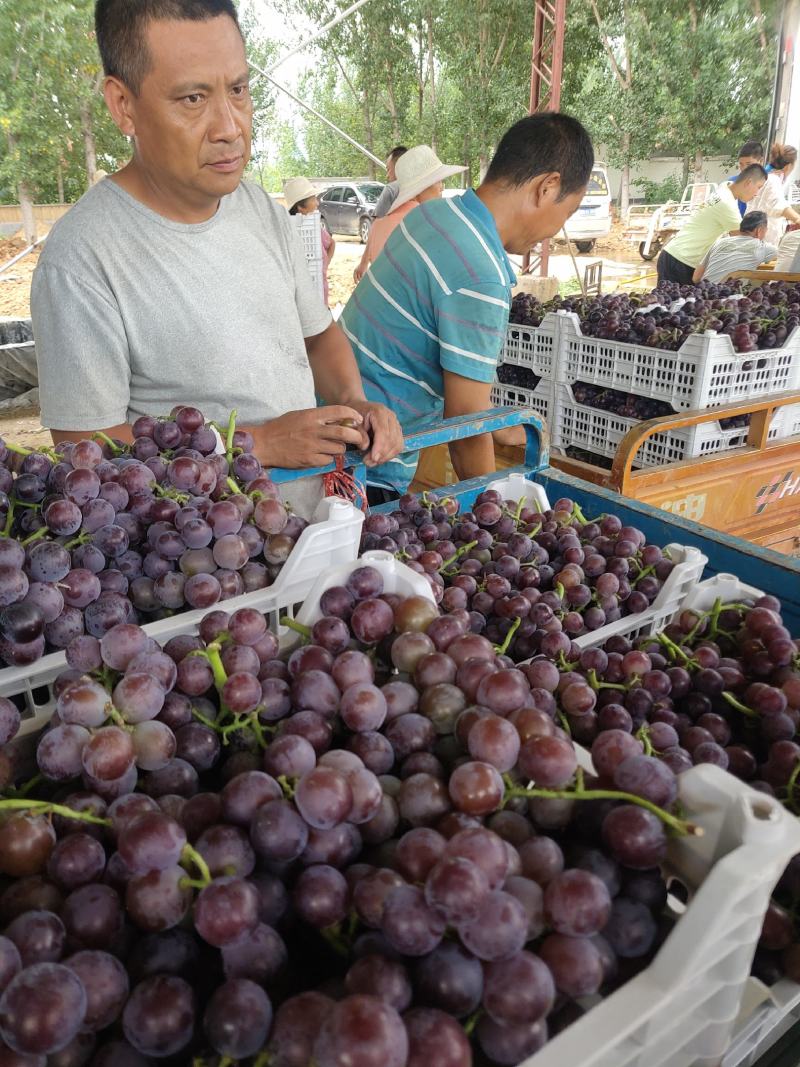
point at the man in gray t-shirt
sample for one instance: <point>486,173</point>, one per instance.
<point>389,192</point>
<point>173,281</point>
<point>743,250</point>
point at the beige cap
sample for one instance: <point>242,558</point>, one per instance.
<point>418,169</point>
<point>297,189</point>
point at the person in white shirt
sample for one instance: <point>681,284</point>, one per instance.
<point>789,252</point>
<point>745,250</point>
<point>772,199</point>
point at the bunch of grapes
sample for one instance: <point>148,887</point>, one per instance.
<point>519,377</point>
<point>97,533</point>
<point>628,405</point>
<point>764,318</point>
<point>720,686</point>
<point>530,581</point>
<point>392,807</point>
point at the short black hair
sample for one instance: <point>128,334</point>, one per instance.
<point>120,27</point>
<point>752,172</point>
<point>751,148</point>
<point>752,220</point>
<point>542,143</point>
<point>397,151</point>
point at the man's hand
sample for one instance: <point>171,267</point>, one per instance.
<point>310,438</point>
<point>385,431</point>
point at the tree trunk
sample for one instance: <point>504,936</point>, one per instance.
<point>483,162</point>
<point>89,149</point>
<point>432,80</point>
<point>698,165</point>
<point>625,180</point>
<point>60,180</point>
<point>26,207</point>
<point>685,172</point>
<point>625,191</point>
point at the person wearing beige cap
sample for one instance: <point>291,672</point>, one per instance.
<point>420,177</point>
<point>301,198</point>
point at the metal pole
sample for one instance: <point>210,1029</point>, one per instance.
<point>22,254</point>
<point>319,33</point>
<point>313,111</point>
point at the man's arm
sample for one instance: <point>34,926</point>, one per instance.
<point>337,381</point>
<point>472,327</point>
<point>473,456</point>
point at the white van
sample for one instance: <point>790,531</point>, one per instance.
<point>593,217</point>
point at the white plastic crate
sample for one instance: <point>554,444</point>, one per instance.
<point>772,1012</point>
<point>705,372</point>
<point>689,566</point>
<point>397,578</point>
<point>682,1010</point>
<point>309,229</point>
<point>329,542</point>
<point>581,426</point>
<point>512,396</point>
<point>534,347</point>
<point>725,587</point>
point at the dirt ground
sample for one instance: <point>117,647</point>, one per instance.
<point>15,286</point>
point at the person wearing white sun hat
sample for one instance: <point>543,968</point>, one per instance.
<point>420,177</point>
<point>301,198</point>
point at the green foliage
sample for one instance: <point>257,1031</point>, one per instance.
<point>670,188</point>
<point>690,78</point>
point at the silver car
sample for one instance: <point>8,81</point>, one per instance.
<point>350,207</point>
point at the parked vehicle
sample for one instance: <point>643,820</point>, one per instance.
<point>650,226</point>
<point>350,207</point>
<point>593,217</point>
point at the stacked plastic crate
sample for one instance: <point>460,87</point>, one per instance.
<point>706,372</point>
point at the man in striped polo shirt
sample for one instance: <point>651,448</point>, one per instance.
<point>428,319</point>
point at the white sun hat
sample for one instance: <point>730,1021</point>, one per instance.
<point>297,189</point>
<point>417,169</point>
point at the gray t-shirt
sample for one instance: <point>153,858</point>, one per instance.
<point>386,199</point>
<point>133,313</point>
<point>728,254</point>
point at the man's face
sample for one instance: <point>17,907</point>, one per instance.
<point>761,232</point>
<point>750,189</point>
<point>193,116</point>
<point>391,175</point>
<point>542,214</point>
<point>745,161</point>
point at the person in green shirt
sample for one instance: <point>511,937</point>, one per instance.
<point>718,215</point>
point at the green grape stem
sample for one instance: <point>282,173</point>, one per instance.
<point>287,785</point>
<point>9,518</point>
<point>37,536</point>
<point>46,807</point>
<point>472,1022</point>
<point>298,627</point>
<point>458,554</point>
<point>597,685</point>
<point>211,653</point>
<point>678,826</point>
<point>233,485</point>
<point>229,436</point>
<point>115,449</point>
<point>191,855</point>
<point>502,649</point>
<point>643,735</point>
<point>791,799</point>
<point>20,450</point>
<point>739,706</point>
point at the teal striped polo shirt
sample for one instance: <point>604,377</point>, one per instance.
<point>437,298</point>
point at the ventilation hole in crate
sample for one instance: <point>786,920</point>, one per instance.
<point>678,896</point>
<point>763,809</point>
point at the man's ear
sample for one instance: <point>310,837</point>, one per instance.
<point>119,101</point>
<point>544,189</point>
